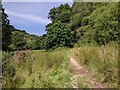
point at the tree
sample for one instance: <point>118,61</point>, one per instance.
<point>42,42</point>
<point>6,31</point>
<point>105,23</point>
<point>58,32</point>
<point>79,11</point>
<point>94,22</point>
<point>18,41</point>
<point>58,35</point>
<point>53,14</point>
<point>33,42</point>
<point>62,13</point>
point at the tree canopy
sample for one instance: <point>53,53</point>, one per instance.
<point>6,31</point>
<point>84,22</point>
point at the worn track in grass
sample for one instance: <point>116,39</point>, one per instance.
<point>79,71</point>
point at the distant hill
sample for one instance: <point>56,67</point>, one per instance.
<point>21,40</point>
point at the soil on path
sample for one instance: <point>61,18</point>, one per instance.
<point>79,70</point>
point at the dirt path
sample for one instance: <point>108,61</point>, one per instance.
<point>78,71</point>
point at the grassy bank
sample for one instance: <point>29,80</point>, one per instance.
<point>101,60</point>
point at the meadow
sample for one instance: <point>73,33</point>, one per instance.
<point>52,69</point>
<point>35,69</point>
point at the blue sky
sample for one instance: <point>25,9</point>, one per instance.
<point>30,16</point>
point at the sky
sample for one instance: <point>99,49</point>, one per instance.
<point>30,16</point>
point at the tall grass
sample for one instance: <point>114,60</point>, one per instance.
<point>101,60</point>
<point>38,69</point>
<point>51,69</point>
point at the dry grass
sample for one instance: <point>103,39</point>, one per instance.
<point>38,69</point>
<point>41,69</point>
<point>102,61</point>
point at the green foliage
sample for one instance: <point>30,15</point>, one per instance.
<point>33,42</point>
<point>6,31</point>
<point>75,21</point>
<point>58,32</point>
<point>18,41</point>
<point>79,11</point>
<point>84,23</point>
<point>105,21</point>
<point>58,35</point>
<point>65,16</point>
<point>24,41</point>
<point>62,13</point>
<point>95,22</point>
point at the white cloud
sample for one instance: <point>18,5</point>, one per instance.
<point>29,17</point>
